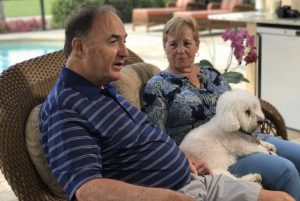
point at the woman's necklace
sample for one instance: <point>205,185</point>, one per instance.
<point>102,87</point>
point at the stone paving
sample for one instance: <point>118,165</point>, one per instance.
<point>149,47</point>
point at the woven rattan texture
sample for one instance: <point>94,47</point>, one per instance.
<point>274,122</point>
<point>132,58</point>
<point>22,87</point>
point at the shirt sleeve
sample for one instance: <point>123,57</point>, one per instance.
<point>74,153</point>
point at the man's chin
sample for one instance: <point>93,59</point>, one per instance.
<point>116,76</point>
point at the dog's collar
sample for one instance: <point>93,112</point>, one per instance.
<point>245,132</point>
<point>251,136</point>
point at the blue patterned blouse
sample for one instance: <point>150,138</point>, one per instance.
<point>176,105</point>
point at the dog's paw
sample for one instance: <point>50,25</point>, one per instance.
<point>269,147</point>
<point>252,177</point>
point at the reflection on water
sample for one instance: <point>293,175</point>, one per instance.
<point>14,52</point>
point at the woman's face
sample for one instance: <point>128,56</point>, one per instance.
<point>181,50</point>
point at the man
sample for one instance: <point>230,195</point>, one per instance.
<point>100,147</point>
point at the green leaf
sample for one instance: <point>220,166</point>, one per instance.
<point>205,62</point>
<point>231,77</point>
<point>234,77</point>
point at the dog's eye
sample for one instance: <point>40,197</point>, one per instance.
<point>248,112</point>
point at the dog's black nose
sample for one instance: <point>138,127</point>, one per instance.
<point>260,122</point>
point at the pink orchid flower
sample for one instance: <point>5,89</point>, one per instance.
<point>242,44</point>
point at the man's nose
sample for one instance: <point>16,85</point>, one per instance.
<point>123,50</point>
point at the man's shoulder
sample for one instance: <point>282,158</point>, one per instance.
<point>65,94</point>
<point>58,97</point>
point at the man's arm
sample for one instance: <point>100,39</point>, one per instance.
<point>113,190</point>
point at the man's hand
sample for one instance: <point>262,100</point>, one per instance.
<point>197,166</point>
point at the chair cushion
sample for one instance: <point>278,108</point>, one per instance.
<point>154,11</point>
<point>202,14</point>
<point>35,152</point>
<point>132,81</point>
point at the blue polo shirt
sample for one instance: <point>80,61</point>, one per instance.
<point>91,133</point>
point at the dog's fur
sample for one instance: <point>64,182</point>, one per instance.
<point>229,133</point>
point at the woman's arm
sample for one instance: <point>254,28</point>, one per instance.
<point>113,190</point>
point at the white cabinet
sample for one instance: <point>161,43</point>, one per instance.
<point>279,70</point>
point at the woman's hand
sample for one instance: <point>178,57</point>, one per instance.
<point>197,166</point>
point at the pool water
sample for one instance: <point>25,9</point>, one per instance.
<point>15,52</point>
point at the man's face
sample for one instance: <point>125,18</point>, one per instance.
<point>105,50</point>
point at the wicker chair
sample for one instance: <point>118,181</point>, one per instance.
<point>25,85</point>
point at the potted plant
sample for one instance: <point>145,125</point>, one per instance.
<point>243,49</point>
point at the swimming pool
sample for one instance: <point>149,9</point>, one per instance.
<point>14,52</point>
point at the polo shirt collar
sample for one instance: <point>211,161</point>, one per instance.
<point>83,86</point>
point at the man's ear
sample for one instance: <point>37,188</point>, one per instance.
<point>77,45</point>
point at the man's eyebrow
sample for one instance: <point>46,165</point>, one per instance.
<point>117,36</point>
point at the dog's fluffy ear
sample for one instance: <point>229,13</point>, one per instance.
<point>225,112</point>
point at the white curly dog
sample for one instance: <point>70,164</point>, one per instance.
<point>229,134</point>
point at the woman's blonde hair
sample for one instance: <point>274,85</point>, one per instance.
<point>177,25</point>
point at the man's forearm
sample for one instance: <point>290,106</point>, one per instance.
<point>113,190</point>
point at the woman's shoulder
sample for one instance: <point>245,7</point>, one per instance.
<point>154,82</point>
<point>213,77</point>
<point>209,70</point>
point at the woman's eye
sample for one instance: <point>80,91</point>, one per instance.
<point>187,44</point>
<point>173,45</point>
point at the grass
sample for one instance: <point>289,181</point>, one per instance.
<point>25,8</point>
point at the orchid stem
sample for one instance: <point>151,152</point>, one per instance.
<point>229,60</point>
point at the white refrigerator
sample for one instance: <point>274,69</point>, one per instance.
<point>278,70</point>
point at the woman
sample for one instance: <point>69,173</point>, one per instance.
<point>184,96</point>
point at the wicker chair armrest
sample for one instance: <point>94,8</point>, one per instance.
<point>195,6</point>
<point>213,6</point>
<point>274,123</point>
<point>243,7</point>
<point>132,58</point>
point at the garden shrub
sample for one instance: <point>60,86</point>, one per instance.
<point>62,8</point>
<point>124,7</point>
